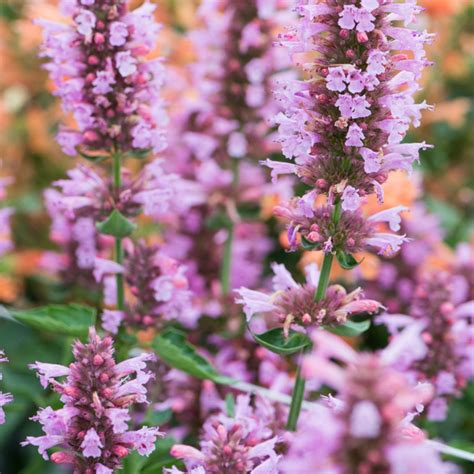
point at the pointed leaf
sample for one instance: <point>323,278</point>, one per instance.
<point>308,245</point>
<point>350,328</point>
<point>117,225</point>
<point>275,341</point>
<point>173,348</point>
<point>139,154</point>
<point>69,320</point>
<point>95,157</point>
<point>346,260</point>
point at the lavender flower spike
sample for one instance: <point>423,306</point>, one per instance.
<point>344,123</point>
<point>91,429</point>
<point>98,66</point>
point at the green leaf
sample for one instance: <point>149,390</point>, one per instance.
<point>275,341</point>
<point>308,245</point>
<point>95,158</point>
<point>346,260</point>
<point>173,348</point>
<point>139,154</point>
<point>69,320</point>
<point>218,220</point>
<point>350,328</point>
<point>117,225</point>
<point>158,418</point>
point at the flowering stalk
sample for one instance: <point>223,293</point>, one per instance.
<point>92,427</point>
<point>100,67</point>
<point>344,125</point>
<point>117,174</point>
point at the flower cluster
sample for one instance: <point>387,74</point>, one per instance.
<point>5,213</point>
<point>295,304</point>
<point>241,444</point>
<point>315,226</point>
<point>76,204</point>
<point>98,66</point>
<point>92,427</point>
<point>442,338</point>
<point>369,430</point>
<point>157,285</point>
<point>217,136</point>
<point>344,123</point>
<point>4,397</point>
<point>234,75</point>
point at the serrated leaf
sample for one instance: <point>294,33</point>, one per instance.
<point>350,328</point>
<point>346,260</point>
<point>70,320</point>
<point>275,341</point>
<point>117,225</point>
<point>173,348</point>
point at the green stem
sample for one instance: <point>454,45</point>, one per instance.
<point>328,259</point>
<point>226,265</point>
<point>296,400</point>
<point>117,176</point>
<point>227,260</point>
<point>298,390</point>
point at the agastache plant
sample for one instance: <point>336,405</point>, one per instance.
<point>91,429</point>
<point>224,131</point>
<point>439,326</point>
<point>343,126</point>
<point>103,74</point>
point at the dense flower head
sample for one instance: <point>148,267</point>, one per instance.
<point>4,397</point>
<point>98,65</point>
<point>442,329</point>
<point>370,429</point>
<point>234,77</point>
<point>158,289</point>
<point>352,233</point>
<point>91,429</point>
<point>241,444</point>
<point>294,304</point>
<point>154,192</point>
<point>344,123</point>
<point>5,213</point>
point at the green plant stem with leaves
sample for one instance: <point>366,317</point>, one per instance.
<point>117,178</point>
<point>298,390</point>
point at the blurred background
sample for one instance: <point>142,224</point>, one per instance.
<point>29,117</point>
